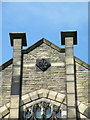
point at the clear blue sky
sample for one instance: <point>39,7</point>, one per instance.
<point>46,20</point>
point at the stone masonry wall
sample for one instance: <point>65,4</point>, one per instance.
<point>6,85</point>
<point>82,76</point>
<point>52,79</point>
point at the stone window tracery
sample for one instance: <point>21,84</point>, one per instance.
<point>42,111</point>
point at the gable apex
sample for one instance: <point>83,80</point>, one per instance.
<point>43,40</point>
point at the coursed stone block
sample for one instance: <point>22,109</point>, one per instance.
<point>14,101</point>
<point>4,110</point>
<point>70,87</point>
<point>55,103</point>
<point>14,113</point>
<point>69,60</point>
<point>82,107</point>
<point>25,99</point>
<point>69,69</point>
<point>70,77</point>
<point>42,93</point>
<point>71,99</point>
<point>33,95</point>
<point>69,51</point>
<point>71,113</point>
<point>60,97</point>
<point>52,95</point>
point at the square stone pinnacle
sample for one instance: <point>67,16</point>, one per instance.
<point>19,35</point>
<point>69,34</point>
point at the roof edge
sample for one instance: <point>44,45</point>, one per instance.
<point>87,66</point>
<point>6,64</point>
<point>43,40</point>
<point>38,43</point>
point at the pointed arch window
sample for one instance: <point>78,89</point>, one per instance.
<point>42,111</point>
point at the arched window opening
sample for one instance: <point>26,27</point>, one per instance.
<point>42,111</point>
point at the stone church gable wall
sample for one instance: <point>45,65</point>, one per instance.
<point>52,79</point>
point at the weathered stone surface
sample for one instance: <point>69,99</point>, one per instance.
<point>52,95</point>
<point>70,87</point>
<point>52,79</point>
<point>73,115</point>
<point>14,101</point>
<point>71,100</point>
<point>33,95</point>
<point>82,107</point>
<point>69,51</point>
<point>69,69</point>
<point>69,60</point>
<point>82,78</point>
<point>25,99</point>
<point>42,93</point>
<point>60,97</point>
<point>4,110</point>
<point>6,85</point>
<point>69,42</point>
<point>14,114</point>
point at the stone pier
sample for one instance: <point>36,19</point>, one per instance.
<point>69,38</point>
<point>17,41</point>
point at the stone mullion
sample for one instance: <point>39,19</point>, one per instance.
<point>70,80</point>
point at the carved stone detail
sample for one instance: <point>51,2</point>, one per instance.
<point>43,64</point>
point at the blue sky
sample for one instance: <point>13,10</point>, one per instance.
<point>45,19</point>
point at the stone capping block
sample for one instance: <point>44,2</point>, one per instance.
<point>60,97</point>
<point>42,93</point>
<point>65,34</point>
<point>3,111</point>
<point>25,99</point>
<point>19,35</point>
<point>33,95</point>
<point>52,95</point>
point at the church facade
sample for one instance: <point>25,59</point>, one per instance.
<point>44,82</point>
